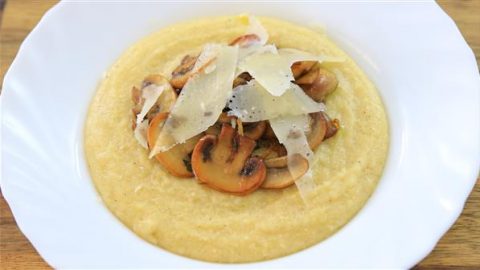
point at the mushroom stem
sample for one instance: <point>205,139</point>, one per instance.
<point>240,126</point>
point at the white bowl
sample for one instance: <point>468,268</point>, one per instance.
<point>424,70</point>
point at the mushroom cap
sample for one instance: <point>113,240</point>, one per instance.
<point>318,83</point>
<point>283,171</point>
<point>302,67</point>
<point>177,159</point>
<point>182,72</point>
<point>318,129</point>
<point>224,162</point>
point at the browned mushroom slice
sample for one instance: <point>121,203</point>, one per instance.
<point>163,104</point>
<point>280,174</point>
<point>188,68</point>
<point>269,134</point>
<point>277,162</point>
<point>318,83</point>
<point>254,130</point>
<point>318,129</point>
<point>176,160</point>
<point>332,126</point>
<point>154,79</point>
<point>136,95</point>
<point>269,149</point>
<point>245,40</point>
<point>182,73</point>
<point>214,129</point>
<point>217,127</point>
<point>137,105</point>
<point>242,79</point>
<point>302,67</point>
<point>224,118</point>
<point>264,153</point>
<point>165,101</point>
<point>224,163</point>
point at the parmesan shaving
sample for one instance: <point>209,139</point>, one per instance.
<point>150,95</point>
<point>252,103</point>
<point>269,48</point>
<point>290,131</point>
<point>305,185</point>
<point>343,83</point>
<point>273,69</point>
<point>201,101</point>
<point>270,70</point>
<point>205,59</point>
<point>256,28</point>
<point>244,52</point>
<point>140,133</point>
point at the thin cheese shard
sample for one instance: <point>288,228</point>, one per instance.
<point>257,46</point>
<point>150,95</point>
<point>206,58</point>
<point>273,70</point>
<point>201,101</point>
<point>244,52</point>
<point>270,70</point>
<point>290,131</point>
<point>140,133</point>
<point>256,28</point>
<point>343,83</point>
<point>251,103</point>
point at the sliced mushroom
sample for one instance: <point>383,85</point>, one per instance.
<point>269,134</point>
<point>332,126</point>
<point>182,73</point>
<point>277,162</point>
<point>242,79</point>
<point>136,96</point>
<point>137,105</point>
<point>254,130</point>
<point>280,174</point>
<point>214,129</point>
<point>177,160</point>
<point>164,103</point>
<point>224,118</point>
<point>224,163</point>
<point>245,40</point>
<point>318,83</point>
<point>269,149</point>
<point>318,129</point>
<point>217,127</point>
<point>187,68</point>
<point>166,100</point>
<point>302,67</point>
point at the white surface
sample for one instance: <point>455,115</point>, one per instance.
<point>423,68</point>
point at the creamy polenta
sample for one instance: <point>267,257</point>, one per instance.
<point>193,220</point>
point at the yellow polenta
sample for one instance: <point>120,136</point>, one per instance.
<point>190,219</point>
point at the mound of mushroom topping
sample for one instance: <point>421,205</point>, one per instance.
<point>240,116</point>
